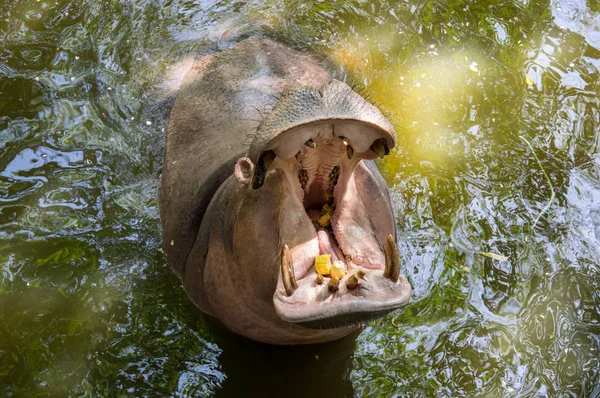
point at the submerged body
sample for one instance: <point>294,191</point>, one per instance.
<point>269,167</point>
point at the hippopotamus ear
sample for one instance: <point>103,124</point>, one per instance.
<point>243,170</point>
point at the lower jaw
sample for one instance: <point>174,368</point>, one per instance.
<point>358,294</point>
<point>316,307</point>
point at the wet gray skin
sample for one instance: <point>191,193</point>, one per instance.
<point>242,225</point>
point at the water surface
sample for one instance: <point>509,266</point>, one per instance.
<point>88,306</point>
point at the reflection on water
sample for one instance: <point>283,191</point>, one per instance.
<point>259,370</point>
<point>89,307</point>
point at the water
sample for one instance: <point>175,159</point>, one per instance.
<point>89,308</point>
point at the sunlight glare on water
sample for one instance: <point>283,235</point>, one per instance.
<point>89,307</point>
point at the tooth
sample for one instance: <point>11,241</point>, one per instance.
<point>345,141</point>
<point>319,279</point>
<point>380,148</point>
<point>392,259</point>
<point>334,284</point>
<point>362,274</point>
<point>311,143</point>
<point>287,271</point>
<point>349,152</point>
<point>260,171</point>
<point>352,282</point>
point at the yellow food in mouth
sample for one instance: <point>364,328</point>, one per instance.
<point>324,267</point>
<point>325,219</point>
<point>323,264</point>
<point>338,269</point>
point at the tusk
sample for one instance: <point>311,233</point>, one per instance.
<point>362,274</point>
<point>380,148</point>
<point>287,271</point>
<point>311,143</point>
<point>345,141</point>
<point>260,171</point>
<point>349,152</point>
<point>392,259</point>
<point>352,282</point>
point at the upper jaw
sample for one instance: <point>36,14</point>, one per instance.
<point>334,103</point>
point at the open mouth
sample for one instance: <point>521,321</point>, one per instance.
<point>339,264</point>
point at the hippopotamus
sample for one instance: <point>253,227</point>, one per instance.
<point>269,167</point>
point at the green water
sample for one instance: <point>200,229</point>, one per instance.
<point>88,306</point>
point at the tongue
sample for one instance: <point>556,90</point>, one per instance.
<point>327,245</point>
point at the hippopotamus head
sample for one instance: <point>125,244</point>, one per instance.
<point>307,192</point>
<point>302,237</point>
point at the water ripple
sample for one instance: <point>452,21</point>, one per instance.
<point>88,305</point>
